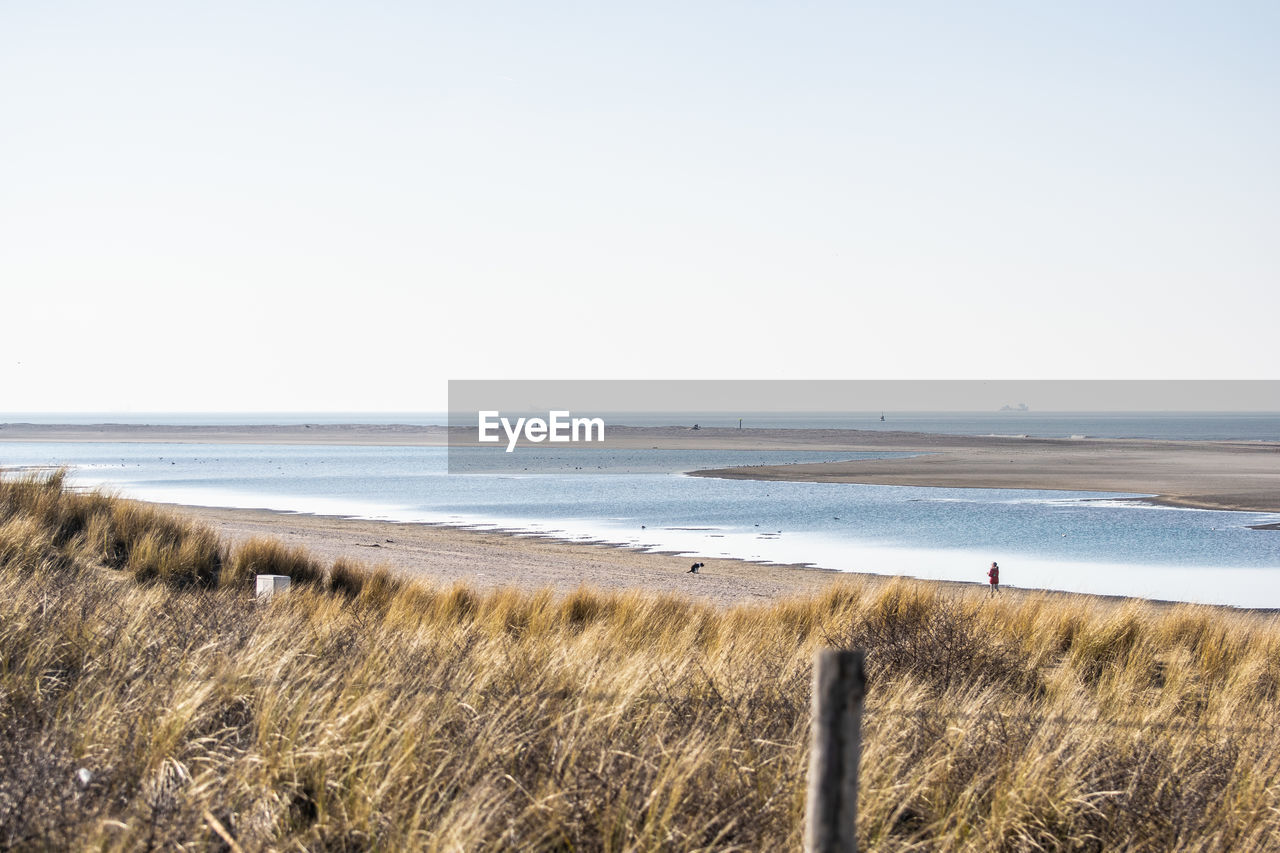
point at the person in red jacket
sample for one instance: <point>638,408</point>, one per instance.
<point>993,578</point>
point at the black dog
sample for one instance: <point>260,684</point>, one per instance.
<point>694,568</point>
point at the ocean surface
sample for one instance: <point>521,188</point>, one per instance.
<point>1236,426</point>
<point>1079,541</point>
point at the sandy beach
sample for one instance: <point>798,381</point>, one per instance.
<point>490,559</point>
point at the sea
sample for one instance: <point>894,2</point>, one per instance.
<point>1104,543</point>
<point>1200,426</point>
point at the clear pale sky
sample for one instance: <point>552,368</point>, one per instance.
<point>328,206</point>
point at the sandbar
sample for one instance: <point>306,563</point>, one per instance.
<point>1196,474</point>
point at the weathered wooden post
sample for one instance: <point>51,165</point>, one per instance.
<point>835,746</point>
<point>269,585</point>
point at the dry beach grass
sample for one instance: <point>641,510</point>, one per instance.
<point>367,710</point>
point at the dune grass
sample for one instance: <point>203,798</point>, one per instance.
<point>366,711</point>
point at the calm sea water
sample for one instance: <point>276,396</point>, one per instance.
<point>1088,542</point>
<point>1239,426</point>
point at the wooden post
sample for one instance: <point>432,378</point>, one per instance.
<point>831,808</point>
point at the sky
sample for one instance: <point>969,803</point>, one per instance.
<point>277,206</point>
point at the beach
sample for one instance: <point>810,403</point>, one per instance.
<point>488,559</point>
<point>1202,474</point>
<point>491,559</point>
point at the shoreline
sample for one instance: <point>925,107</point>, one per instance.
<point>493,558</point>
<point>489,559</point>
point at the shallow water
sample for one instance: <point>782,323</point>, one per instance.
<point>1087,542</point>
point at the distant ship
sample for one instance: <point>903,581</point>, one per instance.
<point>1021,407</point>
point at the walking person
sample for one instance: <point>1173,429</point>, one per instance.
<point>993,577</point>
